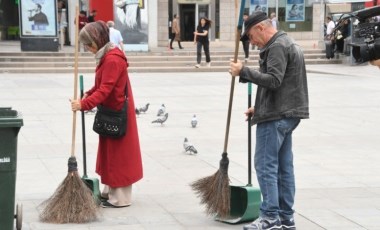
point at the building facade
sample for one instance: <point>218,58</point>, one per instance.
<point>301,19</point>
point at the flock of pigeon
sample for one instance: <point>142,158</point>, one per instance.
<point>163,117</point>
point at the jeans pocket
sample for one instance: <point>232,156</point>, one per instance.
<point>287,125</point>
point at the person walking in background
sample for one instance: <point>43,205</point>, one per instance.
<point>246,42</point>
<point>281,102</point>
<point>118,159</point>
<point>342,34</point>
<point>330,25</point>
<point>176,32</point>
<point>82,18</point>
<point>274,20</point>
<point>201,39</point>
<point>91,17</point>
<point>115,36</point>
<point>329,38</point>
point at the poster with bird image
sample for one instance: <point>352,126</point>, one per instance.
<point>131,19</point>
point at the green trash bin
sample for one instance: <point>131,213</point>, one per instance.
<point>10,124</point>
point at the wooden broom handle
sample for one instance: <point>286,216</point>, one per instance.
<point>75,79</point>
<point>237,42</point>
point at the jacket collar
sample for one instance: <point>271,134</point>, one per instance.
<point>270,42</point>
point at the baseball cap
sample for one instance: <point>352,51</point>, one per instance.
<point>253,19</point>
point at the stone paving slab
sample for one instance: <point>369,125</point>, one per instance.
<point>336,151</point>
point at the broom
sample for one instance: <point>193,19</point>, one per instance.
<point>214,190</point>
<point>72,202</point>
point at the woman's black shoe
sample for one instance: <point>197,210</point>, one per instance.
<point>107,204</point>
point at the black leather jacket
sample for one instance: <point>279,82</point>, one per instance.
<point>282,84</point>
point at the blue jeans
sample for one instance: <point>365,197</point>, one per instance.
<point>274,167</point>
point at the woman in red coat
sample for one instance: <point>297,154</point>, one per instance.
<point>119,160</point>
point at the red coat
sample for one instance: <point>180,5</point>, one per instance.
<point>119,160</point>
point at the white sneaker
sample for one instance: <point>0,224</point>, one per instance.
<point>208,64</point>
<point>246,59</point>
<point>197,66</point>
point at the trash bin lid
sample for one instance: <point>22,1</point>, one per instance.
<point>10,118</point>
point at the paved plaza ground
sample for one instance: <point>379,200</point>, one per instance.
<point>336,151</point>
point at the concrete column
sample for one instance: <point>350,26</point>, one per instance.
<point>70,21</point>
<point>227,20</point>
<point>162,22</point>
<point>152,23</point>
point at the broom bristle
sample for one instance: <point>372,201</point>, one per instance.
<point>214,190</point>
<point>72,202</point>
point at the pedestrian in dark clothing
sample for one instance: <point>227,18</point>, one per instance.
<point>246,42</point>
<point>201,39</point>
<point>82,18</point>
<point>342,34</point>
<point>281,102</point>
<point>91,17</point>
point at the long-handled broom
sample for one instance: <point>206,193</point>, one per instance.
<point>214,190</point>
<point>72,202</point>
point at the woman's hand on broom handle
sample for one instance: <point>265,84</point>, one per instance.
<point>75,105</point>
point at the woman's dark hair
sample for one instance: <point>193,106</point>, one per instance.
<point>208,21</point>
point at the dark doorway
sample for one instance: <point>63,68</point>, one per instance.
<point>9,20</point>
<point>187,18</point>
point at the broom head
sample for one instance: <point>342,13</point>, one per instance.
<point>72,202</point>
<point>214,190</point>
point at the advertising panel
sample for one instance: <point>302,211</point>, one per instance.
<point>38,18</point>
<point>259,5</point>
<point>131,19</point>
<point>295,10</point>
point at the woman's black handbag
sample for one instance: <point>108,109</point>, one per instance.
<point>111,123</point>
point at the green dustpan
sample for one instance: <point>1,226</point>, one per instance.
<point>245,201</point>
<point>92,183</point>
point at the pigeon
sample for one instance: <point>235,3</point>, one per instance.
<point>144,109</point>
<point>189,147</point>
<point>137,111</point>
<point>161,111</point>
<point>162,119</point>
<point>194,121</point>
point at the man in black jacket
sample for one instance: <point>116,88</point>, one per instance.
<point>281,101</point>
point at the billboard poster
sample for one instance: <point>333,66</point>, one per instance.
<point>258,5</point>
<point>38,18</point>
<point>131,19</point>
<point>295,11</point>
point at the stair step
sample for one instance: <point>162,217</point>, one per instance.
<point>143,69</point>
<point>155,53</point>
<point>158,61</point>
